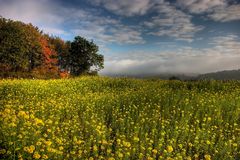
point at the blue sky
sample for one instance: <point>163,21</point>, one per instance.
<point>143,36</point>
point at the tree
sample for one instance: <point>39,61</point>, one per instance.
<point>83,56</point>
<point>50,61</point>
<point>174,78</point>
<point>35,51</point>
<point>23,48</point>
<point>62,49</point>
<point>20,49</point>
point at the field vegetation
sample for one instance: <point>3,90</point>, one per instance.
<point>119,118</point>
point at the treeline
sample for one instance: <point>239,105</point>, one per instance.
<point>27,52</point>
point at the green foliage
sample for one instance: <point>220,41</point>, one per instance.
<point>20,49</point>
<point>62,48</point>
<point>23,48</point>
<point>83,56</point>
<point>174,78</point>
<point>106,118</point>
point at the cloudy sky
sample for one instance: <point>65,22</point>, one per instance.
<point>143,36</point>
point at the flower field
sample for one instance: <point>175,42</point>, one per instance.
<point>118,118</point>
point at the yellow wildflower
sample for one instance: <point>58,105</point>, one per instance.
<point>44,156</point>
<point>120,155</point>
<point>208,142</point>
<point>154,151</point>
<point>61,148</point>
<point>39,121</point>
<point>136,139</point>
<point>2,151</point>
<point>48,143</point>
<point>29,149</point>
<point>36,155</point>
<point>207,157</point>
<point>169,149</point>
<point>95,148</point>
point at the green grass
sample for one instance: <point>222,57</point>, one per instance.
<point>107,118</point>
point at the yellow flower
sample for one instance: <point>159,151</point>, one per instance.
<point>2,151</point>
<point>48,143</point>
<point>29,149</point>
<point>154,151</point>
<point>190,144</point>
<point>25,149</point>
<point>38,143</point>
<point>61,148</point>
<point>120,155</point>
<point>207,157</point>
<point>136,139</point>
<point>36,155</point>
<point>208,142</point>
<point>196,156</point>
<point>20,136</point>
<point>95,148</point>
<point>21,113</point>
<point>169,149</point>
<point>189,158</point>
<point>235,145</point>
<point>180,146</point>
<point>19,156</point>
<point>118,141</point>
<point>109,151</point>
<point>39,121</point>
<point>7,110</point>
<point>126,144</point>
<point>44,156</point>
<point>104,142</point>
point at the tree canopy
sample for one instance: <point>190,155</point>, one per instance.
<point>83,56</point>
<point>24,48</point>
<point>20,48</point>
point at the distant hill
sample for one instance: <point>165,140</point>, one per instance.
<point>164,76</point>
<point>221,75</point>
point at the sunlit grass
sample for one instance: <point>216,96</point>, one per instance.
<point>105,118</point>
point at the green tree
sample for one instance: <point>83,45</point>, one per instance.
<point>20,49</point>
<point>62,48</point>
<point>33,44</point>
<point>84,57</point>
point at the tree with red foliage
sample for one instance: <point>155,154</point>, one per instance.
<point>50,61</point>
<point>62,48</point>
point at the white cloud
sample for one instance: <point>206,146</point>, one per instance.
<point>54,31</point>
<point>217,10</point>
<point>173,23</point>
<point>50,17</point>
<point>41,13</point>
<point>29,11</point>
<point>225,54</point>
<point>125,7</point>
<point>225,14</point>
<point>228,45</point>
<point>110,33</point>
<point>200,6</point>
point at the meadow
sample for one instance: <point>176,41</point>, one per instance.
<point>119,118</point>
